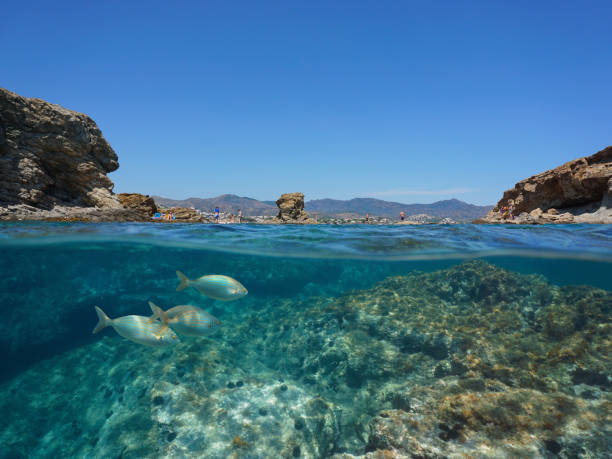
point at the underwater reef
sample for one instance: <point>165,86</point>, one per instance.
<point>470,361</point>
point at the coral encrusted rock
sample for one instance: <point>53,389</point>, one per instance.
<point>291,209</point>
<point>579,191</point>
<point>52,156</point>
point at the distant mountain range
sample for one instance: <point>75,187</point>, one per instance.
<point>230,203</point>
<point>452,208</point>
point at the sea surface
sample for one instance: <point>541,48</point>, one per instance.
<point>353,341</point>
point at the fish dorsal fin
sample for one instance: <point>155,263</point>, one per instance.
<point>158,313</point>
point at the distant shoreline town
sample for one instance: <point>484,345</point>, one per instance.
<point>167,215</point>
<point>236,209</point>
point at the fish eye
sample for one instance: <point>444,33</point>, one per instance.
<point>173,336</point>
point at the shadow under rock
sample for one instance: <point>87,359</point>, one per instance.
<point>79,321</point>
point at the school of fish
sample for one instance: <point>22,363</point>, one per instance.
<point>187,320</point>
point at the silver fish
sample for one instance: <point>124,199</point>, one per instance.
<point>215,286</point>
<point>139,329</point>
<point>187,320</point>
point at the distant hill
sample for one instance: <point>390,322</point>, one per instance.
<point>230,203</point>
<point>453,208</point>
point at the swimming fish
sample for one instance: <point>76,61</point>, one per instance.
<point>187,320</point>
<point>139,329</point>
<point>215,286</point>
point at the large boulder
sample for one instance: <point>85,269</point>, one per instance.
<point>144,205</point>
<point>291,209</point>
<point>579,191</point>
<point>52,156</point>
<point>186,215</point>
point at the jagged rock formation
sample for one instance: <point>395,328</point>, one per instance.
<point>52,156</point>
<point>53,164</point>
<point>579,191</point>
<point>291,209</point>
<point>144,205</point>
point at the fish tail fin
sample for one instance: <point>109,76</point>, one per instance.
<point>158,313</point>
<point>103,320</point>
<point>184,281</point>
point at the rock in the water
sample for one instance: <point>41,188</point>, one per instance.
<point>579,191</point>
<point>141,203</point>
<point>52,156</point>
<point>71,214</point>
<point>291,209</point>
<point>185,214</point>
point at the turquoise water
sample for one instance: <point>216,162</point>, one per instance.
<point>463,337</point>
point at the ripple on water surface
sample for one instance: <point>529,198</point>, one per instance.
<point>393,242</point>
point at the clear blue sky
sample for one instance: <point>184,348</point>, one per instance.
<point>412,101</point>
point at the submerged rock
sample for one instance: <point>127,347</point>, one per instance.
<point>470,361</point>
<point>435,345</point>
<point>259,419</point>
<point>579,191</point>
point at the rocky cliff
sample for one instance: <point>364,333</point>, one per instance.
<point>53,164</point>
<point>291,209</point>
<point>579,191</point>
<point>51,155</point>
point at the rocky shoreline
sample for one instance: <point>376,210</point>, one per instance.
<point>579,191</point>
<point>53,166</point>
<point>54,162</point>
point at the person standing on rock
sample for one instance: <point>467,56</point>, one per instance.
<point>216,214</point>
<point>402,215</point>
<point>239,216</point>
